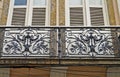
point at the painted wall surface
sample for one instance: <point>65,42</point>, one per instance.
<point>4,72</point>
<point>58,72</point>
<point>1,5</point>
<point>29,72</point>
<point>4,14</point>
<point>111,12</point>
<point>113,72</point>
<point>86,71</point>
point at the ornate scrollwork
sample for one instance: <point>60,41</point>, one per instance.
<point>41,42</point>
<point>88,42</point>
<point>27,42</point>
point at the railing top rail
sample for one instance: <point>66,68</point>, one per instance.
<point>60,26</point>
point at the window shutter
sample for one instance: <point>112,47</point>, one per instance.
<point>38,17</point>
<point>76,16</point>
<point>96,12</point>
<point>18,17</point>
<point>96,15</point>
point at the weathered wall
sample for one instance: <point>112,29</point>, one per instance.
<point>111,12</point>
<point>53,12</point>
<point>62,12</point>
<point>86,71</point>
<point>116,6</point>
<point>1,5</point>
<point>113,72</point>
<point>58,72</point>
<point>4,4</point>
<point>29,72</point>
<point>4,72</point>
<point>4,12</point>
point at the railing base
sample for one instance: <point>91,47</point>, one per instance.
<point>30,63</point>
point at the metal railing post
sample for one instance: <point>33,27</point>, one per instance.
<point>59,45</point>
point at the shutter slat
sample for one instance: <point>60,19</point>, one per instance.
<point>76,16</point>
<point>38,17</point>
<point>18,17</point>
<point>96,15</point>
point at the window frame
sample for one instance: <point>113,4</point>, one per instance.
<point>86,13</point>
<point>28,18</point>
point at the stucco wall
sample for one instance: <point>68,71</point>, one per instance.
<point>86,71</point>
<point>113,72</point>
<point>1,5</point>
<point>4,14</point>
<point>4,72</point>
<point>58,72</point>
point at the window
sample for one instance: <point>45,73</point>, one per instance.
<point>39,2</point>
<point>96,12</point>
<point>75,2</point>
<point>76,12</point>
<point>39,12</point>
<point>28,12</point>
<point>95,2</point>
<point>20,2</point>
<point>85,12</point>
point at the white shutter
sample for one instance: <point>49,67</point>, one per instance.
<point>96,15</point>
<point>76,16</point>
<point>18,17</point>
<point>38,17</point>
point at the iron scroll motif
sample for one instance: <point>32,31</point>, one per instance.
<point>89,42</point>
<point>78,42</point>
<point>27,42</point>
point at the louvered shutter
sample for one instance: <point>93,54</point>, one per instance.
<point>38,17</point>
<point>96,15</point>
<point>96,12</point>
<point>18,17</point>
<point>76,16</point>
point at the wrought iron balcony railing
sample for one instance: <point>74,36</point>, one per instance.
<point>35,46</point>
<point>60,42</point>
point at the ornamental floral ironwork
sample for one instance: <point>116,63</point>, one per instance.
<point>60,42</point>
<point>27,42</point>
<point>89,42</point>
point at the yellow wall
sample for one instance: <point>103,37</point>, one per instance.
<point>29,72</point>
<point>53,12</point>
<point>86,71</point>
<point>113,72</point>
<point>4,72</point>
<point>4,14</point>
<point>1,5</point>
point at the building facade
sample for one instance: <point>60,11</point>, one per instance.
<point>60,13</point>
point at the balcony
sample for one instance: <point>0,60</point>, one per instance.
<point>59,46</point>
